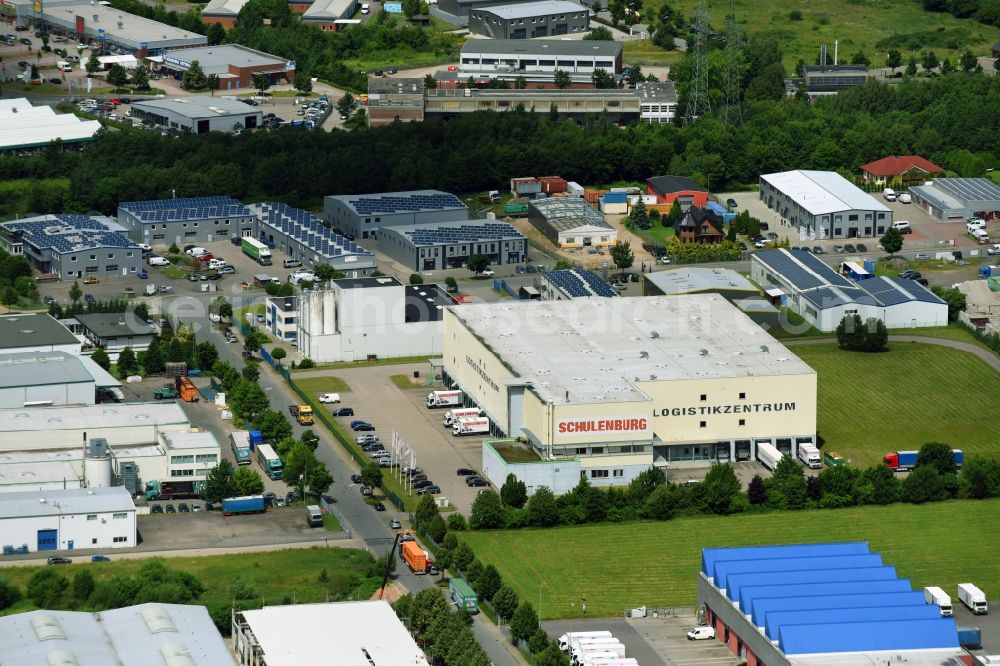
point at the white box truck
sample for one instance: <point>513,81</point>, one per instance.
<point>601,659</point>
<point>452,414</point>
<point>935,595</point>
<point>471,425</point>
<point>768,455</point>
<point>888,194</point>
<point>583,647</point>
<point>809,455</point>
<point>973,598</point>
<point>443,399</point>
<point>566,639</point>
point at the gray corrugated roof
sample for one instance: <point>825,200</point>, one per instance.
<point>197,107</point>
<point>695,279</point>
<point>967,189</point>
<point>33,330</point>
<point>114,324</point>
<point>529,9</point>
<point>542,47</point>
<point>41,368</point>
<point>25,504</point>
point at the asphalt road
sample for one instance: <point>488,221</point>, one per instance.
<point>366,525</point>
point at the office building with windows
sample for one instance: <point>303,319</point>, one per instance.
<point>181,221</point>
<point>530,20</point>
<point>362,215</point>
<point>76,246</point>
<point>538,60</point>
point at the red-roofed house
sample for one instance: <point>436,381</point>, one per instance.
<point>900,171</point>
<point>669,189</point>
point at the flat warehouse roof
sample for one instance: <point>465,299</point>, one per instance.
<point>197,107</point>
<point>350,633</point>
<point>543,47</point>
<point>120,415</point>
<point>24,126</point>
<point>24,369</point>
<point>822,192</point>
<point>27,503</point>
<point>542,8</point>
<point>386,203</point>
<point>118,24</point>
<point>596,350</point>
<point>220,56</point>
<point>969,189</point>
<point>690,280</point>
<point>33,330</point>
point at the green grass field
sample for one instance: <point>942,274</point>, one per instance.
<point>299,578</point>
<point>871,26</point>
<point>317,385</point>
<point>615,567</point>
<point>873,403</point>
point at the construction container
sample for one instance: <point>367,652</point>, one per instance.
<point>552,184</point>
<point>574,190</point>
<point>520,187</point>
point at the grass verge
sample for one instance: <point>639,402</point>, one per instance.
<point>363,364</point>
<point>407,382</point>
<point>319,385</point>
<point>331,524</point>
<point>300,579</point>
<point>644,52</point>
<point>901,399</point>
<point>621,566</point>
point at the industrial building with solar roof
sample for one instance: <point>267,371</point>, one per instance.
<point>303,236</point>
<point>362,215</point>
<point>74,246</point>
<point>955,199</point>
<point>607,387</point>
<point>202,219</point>
<point>833,604</point>
<point>574,283</point>
<point>824,205</point>
<point>822,296</point>
<point>438,245</point>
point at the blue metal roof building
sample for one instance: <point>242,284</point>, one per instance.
<point>813,604</point>
<point>823,295</point>
<point>73,246</point>
<point>193,220</point>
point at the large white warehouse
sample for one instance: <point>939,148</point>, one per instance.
<point>80,518</point>
<point>607,387</point>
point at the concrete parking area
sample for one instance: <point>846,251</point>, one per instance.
<point>659,641</point>
<point>377,400</point>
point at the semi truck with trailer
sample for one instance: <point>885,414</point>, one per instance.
<point>902,461</point>
<point>566,639</point>
<point>256,250</point>
<point>437,399</point>
<point>471,425</point>
<point>973,598</point>
<point>301,413</point>
<point>768,455</point>
<point>239,442</point>
<point>463,595</point>
<point>167,490</point>
<point>314,516</point>
<point>415,557</point>
<point>269,462</point>
<point>583,646</point>
<point>452,414</point>
<point>809,455</point>
<point>233,506</point>
<point>935,595</point>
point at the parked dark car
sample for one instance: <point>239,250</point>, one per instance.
<point>156,509</point>
<point>269,497</point>
<point>344,411</point>
<point>362,426</point>
<point>422,483</point>
<point>183,507</point>
<point>429,490</point>
<point>355,478</point>
<point>55,81</point>
<point>100,558</point>
<point>26,41</point>
<point>763,225</point>
<point>476,482</point>
<point>236,240</point>
<point>379,506</point>
<point>862,247</point>
<point>465,471</point>
<point>209,506</point>
<point>817,250</point>
<point>171,509</point>
<point>731,203</point>
<point>910,274</point>
<point>59,560</point>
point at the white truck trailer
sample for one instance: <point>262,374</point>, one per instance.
<point>973,598</point>
<point>452,414</point>
<point>566,639</point>
<point>768,455</point>
<point>471,425</point>
<point>935,595</point>
<point>809,456</point>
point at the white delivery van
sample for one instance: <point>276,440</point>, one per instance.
<point>904,197</point>
<point>935,595</point>
<point>64,66</point>
<point>901,224</point>
<point>888,194</point>
<point>365,8</point>
<point>809,455</point>
<point>701,633</point>
<point>150,289</point>
<point>973,598</point>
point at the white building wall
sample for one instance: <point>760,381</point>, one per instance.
<point>81,393</point>
<point>97,531</point>
<point>559,476</point>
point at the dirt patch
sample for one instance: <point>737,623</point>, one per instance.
<point>580,256</point>
<point>393,591</point>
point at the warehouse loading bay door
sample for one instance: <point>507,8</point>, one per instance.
<point>48,539</point>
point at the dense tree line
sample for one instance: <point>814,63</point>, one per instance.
<point>15,279</point>
<point>948,118</point>
<point>984,11</point>
<point>650,496</point>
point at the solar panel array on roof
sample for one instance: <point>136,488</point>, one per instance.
<point>176,210</point>
<point>307,229</point>
<point>813,263</point>
<point>68,233</point>
<point>785,265</point>
<point>427,234</point>
<point>830,297</point>
<point>577,283</point>
<point>404,203</point>
<point>913,288</point>
<point>886,292</point>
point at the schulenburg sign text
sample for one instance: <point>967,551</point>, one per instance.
<point>628,425</point>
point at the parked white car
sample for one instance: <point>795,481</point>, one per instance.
<point>157,261</point>
<point>329,398</point>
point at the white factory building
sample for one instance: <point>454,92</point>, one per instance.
<point>607,387</point>
<point>346,633</point>
<point>371,317</point>
<point>36,379</point>
<point>153,633</point>
<point>78,518</point>
<point>36,332</point>
<point>823,296</point>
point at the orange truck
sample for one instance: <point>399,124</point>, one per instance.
<point>187,389</point>
<point>415,557</point>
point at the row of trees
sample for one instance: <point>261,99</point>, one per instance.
<point>15,279</point>
<point>650,496</point>
<point>474,151</point>
<point>486,580</point>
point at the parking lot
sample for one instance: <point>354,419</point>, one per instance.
<point>377,400</point>
<point>652,641</point>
